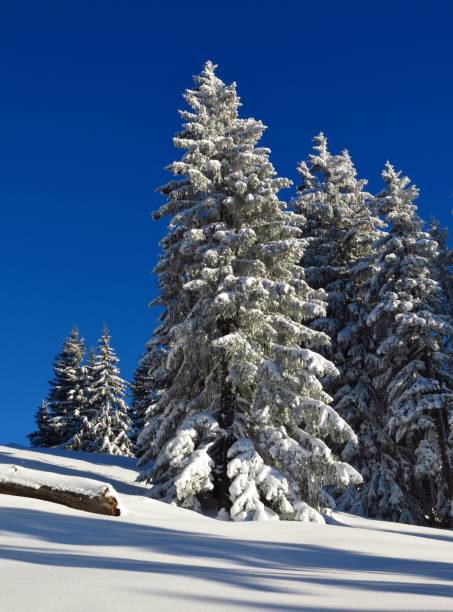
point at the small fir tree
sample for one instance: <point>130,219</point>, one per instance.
<point>41,437</point>
<point>65,397</point>
<point>105,428</point>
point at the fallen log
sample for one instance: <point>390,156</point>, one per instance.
<point>79,493</point>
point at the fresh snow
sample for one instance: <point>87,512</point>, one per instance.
<point>158,556</point>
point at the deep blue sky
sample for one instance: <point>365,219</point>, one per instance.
<point>89,94</point>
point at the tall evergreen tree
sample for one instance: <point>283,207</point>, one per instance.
<point>239,426</point>
<point>411,479</point>
<point>340,228</point>
<point>105,428</point>
<point>41,437</point>
<point>65,395</point>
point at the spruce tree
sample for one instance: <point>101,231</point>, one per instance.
<point>240,423</point>
<point>65,396</point>
<point>411,478</point>
<point>41,437</point>
<point>340,227</point>
<point>106,426</point>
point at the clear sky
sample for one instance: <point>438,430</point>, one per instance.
<point>88,101</point>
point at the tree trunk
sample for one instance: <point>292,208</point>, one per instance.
<point>99,504</point>
<point>82,494</point>
<point>225,419</point>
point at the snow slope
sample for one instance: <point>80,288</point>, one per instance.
<point>158,557</point>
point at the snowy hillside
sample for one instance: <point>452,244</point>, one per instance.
<point>158,557</point>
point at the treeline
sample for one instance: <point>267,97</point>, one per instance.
<point>302,360</point>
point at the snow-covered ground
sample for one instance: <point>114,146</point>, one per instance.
<point>158,557</point>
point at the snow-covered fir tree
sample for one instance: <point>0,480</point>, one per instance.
<point>65,395</point>
<point>106,425</point>
<point>340,228</point>
<point>410,478</point>
<point>41,437</point>
<point>242,424</point>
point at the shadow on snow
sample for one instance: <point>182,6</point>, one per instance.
<point>260,565</point>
